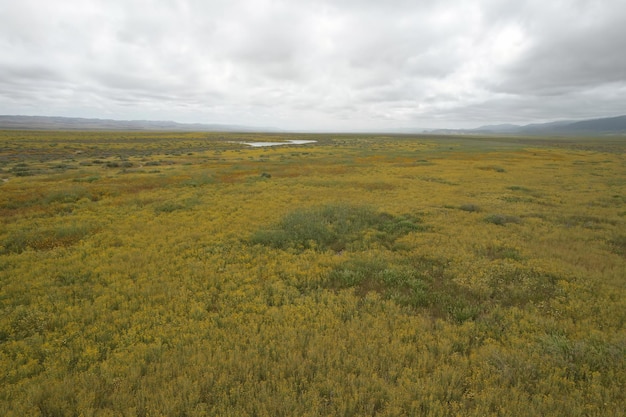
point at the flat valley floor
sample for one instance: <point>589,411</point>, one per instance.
<point>189,274</point>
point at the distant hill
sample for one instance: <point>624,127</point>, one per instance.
<point>76,123</point>
<point>604,126</point>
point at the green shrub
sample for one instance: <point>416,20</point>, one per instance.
<point>417,283</point>
<point>513,285</point>
<point>618,245</point>
<point>472,208</point>
<point>168,207</point>
<point>21,170</point>
<point>518,188</point>
<point>199,180</point>
<point>502,219</point>
<point>501,252</point>
<point>422,283</point>
<point>44,239</point>
<point>70,195</point>
<point>92,178</point>
<point>335,227</point>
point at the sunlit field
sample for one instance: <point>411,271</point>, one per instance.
<point>175,274</point>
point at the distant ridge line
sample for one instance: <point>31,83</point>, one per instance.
<point>603,126</point>
<point>79,123</point>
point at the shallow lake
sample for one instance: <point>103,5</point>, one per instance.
<point>287,142</point>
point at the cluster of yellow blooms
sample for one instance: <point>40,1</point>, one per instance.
<point>147,274</point>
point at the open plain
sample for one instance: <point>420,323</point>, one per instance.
<point>187,274</point>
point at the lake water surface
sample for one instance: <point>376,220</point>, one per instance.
<point>287,142</point>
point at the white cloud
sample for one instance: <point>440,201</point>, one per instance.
<point>314,64</point>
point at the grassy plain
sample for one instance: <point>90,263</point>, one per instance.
<point>182,274</point>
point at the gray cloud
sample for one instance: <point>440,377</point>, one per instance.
<point>572,50</point>
<point>315,64</point>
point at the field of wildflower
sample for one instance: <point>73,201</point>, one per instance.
<point>189,274</point>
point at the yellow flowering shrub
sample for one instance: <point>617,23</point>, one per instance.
<point>160,273</point>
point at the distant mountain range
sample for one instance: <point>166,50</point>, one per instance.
<point>76,123</point>
<point>604,126</point>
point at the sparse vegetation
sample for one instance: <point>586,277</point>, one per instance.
<point>502,219</point>
<point>470,207</point>
<point>618,244</point>
<point>358,275</point>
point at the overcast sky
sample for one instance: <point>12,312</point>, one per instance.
<point>315,65</point>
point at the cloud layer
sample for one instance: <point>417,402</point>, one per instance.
<point>315,65</point>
